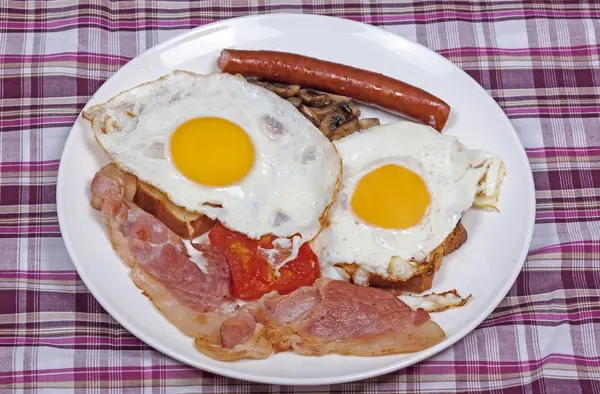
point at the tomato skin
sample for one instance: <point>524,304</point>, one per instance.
<point>251,275</point>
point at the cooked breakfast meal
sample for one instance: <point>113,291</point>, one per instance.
<point>260,212</point>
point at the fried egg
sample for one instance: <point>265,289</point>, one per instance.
<point>404,188</point>
<point>220,146</point>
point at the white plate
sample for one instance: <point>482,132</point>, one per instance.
<point>486,266</point>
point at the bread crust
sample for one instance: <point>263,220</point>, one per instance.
<point>423,280</point>
<point>186,224</point>
<point>456,239</point>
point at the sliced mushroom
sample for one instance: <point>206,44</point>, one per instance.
<point>295,100</point>
<point>326,110</point>
<point>336,98</point>
<point>304,110</point>
<point>331,122</point>
<point>349,108</point>
<point>366,123</point>
<point>282,90</point>
<point>313,98</point>
<point>344,129</point>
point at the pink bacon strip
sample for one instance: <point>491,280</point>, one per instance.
<point>199,304</point>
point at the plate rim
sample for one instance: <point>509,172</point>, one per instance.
<point>379,371</point>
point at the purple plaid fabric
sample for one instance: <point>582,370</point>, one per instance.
<point>539,59</point>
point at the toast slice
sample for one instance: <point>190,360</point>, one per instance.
<point>422,279</point>
<point>186,224</point>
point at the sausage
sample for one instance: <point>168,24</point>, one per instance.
<point>366,86</point>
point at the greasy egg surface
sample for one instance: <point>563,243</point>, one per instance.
<point>223,147</point>
<point>404,188</point>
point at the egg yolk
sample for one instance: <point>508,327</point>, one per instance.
<point>212,151</point>
<point>391,196</point>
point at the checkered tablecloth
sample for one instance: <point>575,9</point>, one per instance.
<point>539,59</point>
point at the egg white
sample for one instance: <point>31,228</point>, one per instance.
<point>453,175</point>
<point>295,174</point>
